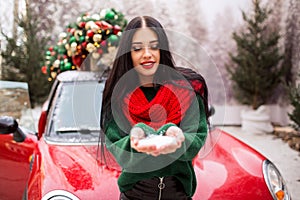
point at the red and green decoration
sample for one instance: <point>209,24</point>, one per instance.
<point>90,34</point>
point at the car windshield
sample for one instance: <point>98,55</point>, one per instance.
<point>15,102</point>
<point>76,113</point>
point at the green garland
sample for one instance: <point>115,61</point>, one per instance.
<point>90,34</point>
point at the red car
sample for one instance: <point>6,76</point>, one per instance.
<point>63,160</point>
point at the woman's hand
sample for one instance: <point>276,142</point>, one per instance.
<point>178,136</point>
<point>137,134</point>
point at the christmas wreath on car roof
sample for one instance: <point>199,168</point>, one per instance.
<point>96,35</point>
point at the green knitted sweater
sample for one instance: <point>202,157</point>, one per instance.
<point>138,166</point>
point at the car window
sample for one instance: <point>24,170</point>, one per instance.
<point>15,102</point>
<point>76,114</point>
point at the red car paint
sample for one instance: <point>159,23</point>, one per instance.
<point>232,170</point>
<point>14,165</point>
<point>72,168</point>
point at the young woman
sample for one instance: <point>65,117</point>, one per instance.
<point>154,116</point>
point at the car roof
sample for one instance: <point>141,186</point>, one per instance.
<point>75,75</point>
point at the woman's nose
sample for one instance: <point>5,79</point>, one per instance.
<point>147,53</point>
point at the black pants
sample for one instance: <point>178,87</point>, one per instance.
<point>149,190</point>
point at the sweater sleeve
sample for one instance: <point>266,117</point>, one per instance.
<point>118,143</point>
<point>195,129</point>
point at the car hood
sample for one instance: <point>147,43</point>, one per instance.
<point>78,169</point>
<point>227,168</point>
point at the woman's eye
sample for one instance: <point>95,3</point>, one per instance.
<point>136,48</point>
<point>139,48</point>
<point>154,46</point>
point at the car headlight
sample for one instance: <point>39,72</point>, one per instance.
<point>59,195</point>
<point>275,182</point>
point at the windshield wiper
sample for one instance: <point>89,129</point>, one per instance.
<point>77,130</point>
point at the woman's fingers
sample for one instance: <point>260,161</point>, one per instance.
<point>178,136</point>
<point>176,132</point>
<point>141,148</point>
<point>170,148</point>
<point>146,149</point>
<point>137,134</point>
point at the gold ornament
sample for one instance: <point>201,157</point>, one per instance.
<point>90,47</point>
<point>69,53</point>
<point>96,44</point>
<point>67,46</point>
<point>88,25</point>
<point>97,37</point>
<point>53,74</point>
<point>77,34</point>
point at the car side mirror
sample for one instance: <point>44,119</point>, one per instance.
<point>9,125</point>
<point>211,110</point>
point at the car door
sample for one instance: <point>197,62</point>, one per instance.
<point>16,143</point>
<point>14,165</point>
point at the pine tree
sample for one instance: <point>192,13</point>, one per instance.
<point>23,56</point>
<point>291,41</point>
<point>295,102</point>
<point>256,69</point>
